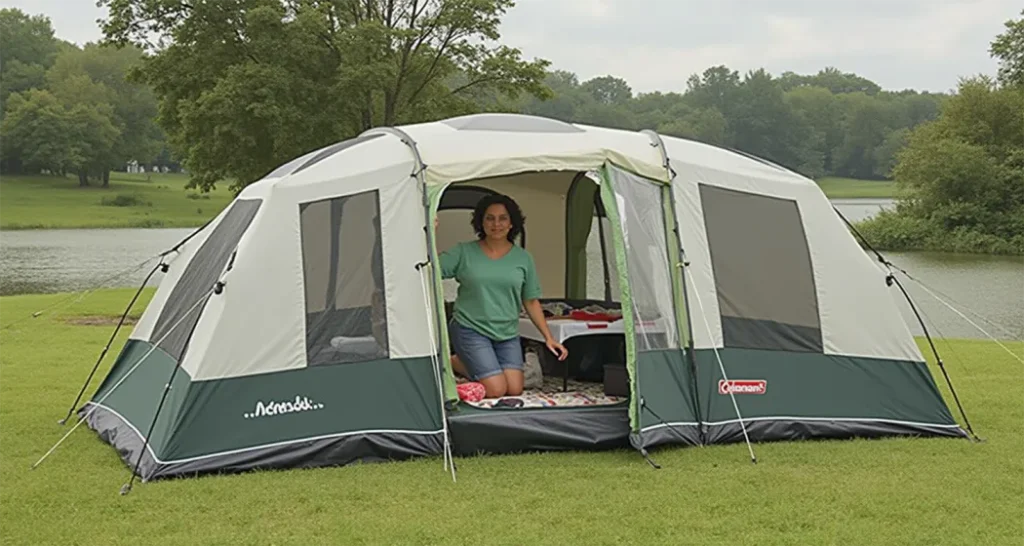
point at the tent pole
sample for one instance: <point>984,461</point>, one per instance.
<point>119,381</point>
<point>110,342</point>
<point>428,229</point>
<point>891,278</point>
<point>126,488</point>
<point>682,265</point>
<point>732,395</point>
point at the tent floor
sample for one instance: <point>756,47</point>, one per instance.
<point>513,430</point>
<point>557,392</point>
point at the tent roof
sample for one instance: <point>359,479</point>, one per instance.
<point>496,144</point>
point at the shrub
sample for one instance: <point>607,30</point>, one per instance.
<point>125,200</point>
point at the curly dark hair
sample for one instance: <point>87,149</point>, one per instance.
<point>515,215</point>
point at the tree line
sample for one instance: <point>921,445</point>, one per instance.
<point>243,91</point>
<point>69,109</point>
<point>233,89</point>
<point>826,124</point>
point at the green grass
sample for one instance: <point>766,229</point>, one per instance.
<point>46,202</point>
<point>900,491</point>
<point>853,188</point>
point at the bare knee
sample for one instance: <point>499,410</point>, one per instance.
<point>514,382</point>
<point>495,386</point>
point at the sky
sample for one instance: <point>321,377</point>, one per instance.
<point>656,44</point>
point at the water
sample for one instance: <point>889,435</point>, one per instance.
<point>72,260</point>
<point>856,210</point>
<point>68,260</point>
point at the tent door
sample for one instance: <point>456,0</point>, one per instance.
<point>662,408</point>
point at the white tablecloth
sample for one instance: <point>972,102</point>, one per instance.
<point>563,329</point>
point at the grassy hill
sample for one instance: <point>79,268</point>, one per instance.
<point>853,188</point>
<point>46,202</point>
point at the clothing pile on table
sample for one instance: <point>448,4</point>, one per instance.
<point>593,311</point>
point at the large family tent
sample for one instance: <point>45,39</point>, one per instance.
<point>706,297</point>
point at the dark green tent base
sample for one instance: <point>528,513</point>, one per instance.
<point>766,430</point>
<point>475,430</point>
<point>674,434</point>
<point>313,453</point>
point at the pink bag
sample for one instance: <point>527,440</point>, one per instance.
<point>471,392</point>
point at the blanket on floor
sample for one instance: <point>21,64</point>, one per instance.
<point>579,394</point>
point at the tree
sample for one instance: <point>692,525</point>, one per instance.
<point>245,85</point>
<point>36,131</point>
<point>609,90</point>
<point>47,134</point>
<point>96,76</point>
<point>27,49</point>
<point>1008,47</point>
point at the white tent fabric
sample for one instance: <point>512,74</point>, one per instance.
<point>257,325</point>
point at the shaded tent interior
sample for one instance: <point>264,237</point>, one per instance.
<point>572,250</point>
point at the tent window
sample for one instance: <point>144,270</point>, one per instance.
<point>343,274</point>
<point>647,264</point>
<point>762,269</point>
<point>199,277</point>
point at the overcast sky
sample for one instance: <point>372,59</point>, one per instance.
<point>657,44</point>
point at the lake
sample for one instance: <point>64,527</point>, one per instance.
<point>46,261</point>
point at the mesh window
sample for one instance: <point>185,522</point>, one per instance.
<point>199,277</point>
<point>647,264</point>
<point>343,272</point>
<point>762,269</point>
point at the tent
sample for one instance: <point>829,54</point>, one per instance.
<point>706,296</point>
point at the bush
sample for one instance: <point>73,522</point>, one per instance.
<point>125,200</point>
<point>891,231</point>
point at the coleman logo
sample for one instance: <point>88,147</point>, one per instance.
<point>300,403</point>
<point>742,386</point>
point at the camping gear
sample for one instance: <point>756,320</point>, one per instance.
<point>305,325</point>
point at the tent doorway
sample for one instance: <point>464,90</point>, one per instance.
<point>572,249</point>
<point>584,252</point>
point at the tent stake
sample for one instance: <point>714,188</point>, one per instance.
<point>643,451</point>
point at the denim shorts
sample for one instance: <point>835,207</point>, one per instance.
<point>482,356</point>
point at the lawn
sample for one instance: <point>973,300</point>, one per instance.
<point>36,202</point>
<point>853,188</point>
<point>901,491</point>
<point>44,202</point>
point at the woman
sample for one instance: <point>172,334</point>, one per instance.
<point>496,279</point>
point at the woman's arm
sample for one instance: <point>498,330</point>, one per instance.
<point>536,313</point>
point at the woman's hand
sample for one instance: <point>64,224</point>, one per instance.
<point>557,348</point>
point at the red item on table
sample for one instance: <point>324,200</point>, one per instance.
<point>586,315</point>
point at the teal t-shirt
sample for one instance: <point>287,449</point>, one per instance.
<point>491,291</point>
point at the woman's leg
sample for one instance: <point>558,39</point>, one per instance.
<point>510,357</point>
<point>476,353</point>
